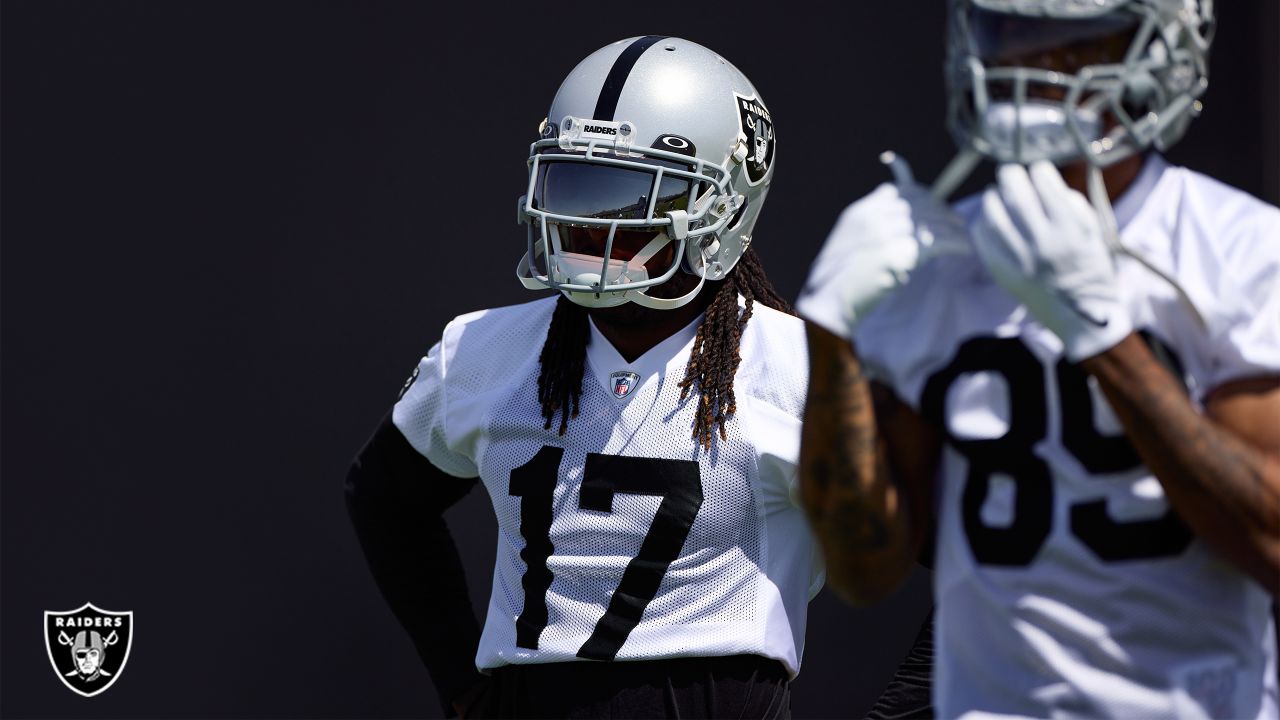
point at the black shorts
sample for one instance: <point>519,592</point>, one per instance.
<point>907,696</point>
<point>739,686</point>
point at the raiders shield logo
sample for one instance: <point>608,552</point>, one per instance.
<point>757,129</point>
<point>88,647</point>
<point>622,383</point>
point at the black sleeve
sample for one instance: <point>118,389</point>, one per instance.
<point>908,694</point>
<point>396,499</point>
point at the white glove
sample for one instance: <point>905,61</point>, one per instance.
<point>1043,242</point>
<point>876,243</point>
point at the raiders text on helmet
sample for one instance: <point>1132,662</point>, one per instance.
<point>655,158</point>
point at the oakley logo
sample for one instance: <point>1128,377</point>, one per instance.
<point>677,144</point>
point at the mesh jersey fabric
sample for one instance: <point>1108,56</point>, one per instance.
<point>1065,585</point>
<point>741,579</point>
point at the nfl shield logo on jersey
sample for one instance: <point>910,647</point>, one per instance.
<point>622,382</point>
<point>88,647</point>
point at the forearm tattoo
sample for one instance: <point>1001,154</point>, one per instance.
<point>1225,489</point>
<point>846,489</point>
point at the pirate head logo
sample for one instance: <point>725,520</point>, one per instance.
<point>88,647</point>
<point>88,652</point>
<point>622,383</point>
<point>757,133</point>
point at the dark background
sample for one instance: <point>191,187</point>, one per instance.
<point>229,231</point>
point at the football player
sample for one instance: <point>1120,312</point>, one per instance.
<point>1079,368</point>
<point>637,432</point>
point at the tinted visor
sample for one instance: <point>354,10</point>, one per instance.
<point>1064,45</point>
<point>607,192</point>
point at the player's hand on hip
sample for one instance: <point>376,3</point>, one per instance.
<point>1044,243</point>
<point>875,245</point>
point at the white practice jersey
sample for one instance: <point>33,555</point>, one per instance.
<point>1066,586</point>
<point>623,539</point>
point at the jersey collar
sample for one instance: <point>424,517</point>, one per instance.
<point>604,360</point>
<point>1126,206</point>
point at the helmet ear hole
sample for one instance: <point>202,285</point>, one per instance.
<point>737,217</point>
<point>697,251</point>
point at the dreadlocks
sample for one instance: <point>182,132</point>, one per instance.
<point>712,363</point>
<point>563,357</point>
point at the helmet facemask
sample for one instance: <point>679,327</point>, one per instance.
<point>1068,81</point>
<point>607,223</point>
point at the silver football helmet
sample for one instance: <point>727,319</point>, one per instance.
<point>1137,65</point>
<point>655,158</point>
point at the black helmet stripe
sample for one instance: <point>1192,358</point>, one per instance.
<point>607,103</point>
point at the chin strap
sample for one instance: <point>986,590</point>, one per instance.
<point>1101,202</point>
<point>643,299</point>
<point>526,273</point>
<point>640,297</point>
<point>649,250</point>
<point>955,172</point>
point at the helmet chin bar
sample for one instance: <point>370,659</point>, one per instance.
<point>640,297</point>
<point>571,268</point>
<point>580,280</point>
<point>1027,129</point>
<point>592,296</point>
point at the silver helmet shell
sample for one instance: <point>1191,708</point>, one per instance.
<point>672,118</point>
<point>1152,93</point>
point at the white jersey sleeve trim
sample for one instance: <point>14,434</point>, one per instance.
<point>423,413</point>
<point>1248,342</point>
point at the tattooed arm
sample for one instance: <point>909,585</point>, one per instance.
<point>870,522</point>
<point>1221,470</point>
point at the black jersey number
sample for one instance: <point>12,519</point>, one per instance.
<point>1012,454</point>
<point>677,482</point>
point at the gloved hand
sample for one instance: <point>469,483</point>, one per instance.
<point>876,244</point>
<point>1044,243</point>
